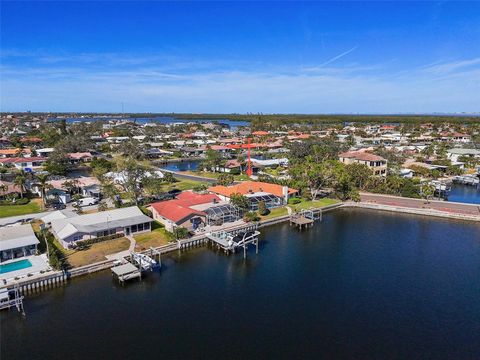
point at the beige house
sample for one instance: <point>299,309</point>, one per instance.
<point>376,163</point>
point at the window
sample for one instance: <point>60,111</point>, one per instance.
<point>140,227</point>
<point>134,228</point>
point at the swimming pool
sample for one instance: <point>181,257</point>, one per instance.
<point>17,265</point>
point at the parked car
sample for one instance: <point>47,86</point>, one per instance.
<point>58,206</point>
<point>87,201</point>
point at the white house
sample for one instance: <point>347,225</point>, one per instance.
<point>17,241</point>
<point>123,221</point>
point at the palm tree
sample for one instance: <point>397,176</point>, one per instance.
<point>21,180</point>
<point>42,180</point>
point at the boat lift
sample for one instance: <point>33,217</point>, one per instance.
<point>11,298</point>
<point>229,242</point>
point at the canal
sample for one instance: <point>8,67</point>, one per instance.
<point>464,193</point>
<point>361,284</point>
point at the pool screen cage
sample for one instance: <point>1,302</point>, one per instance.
<point>270,200</point>
<point>218,215</point>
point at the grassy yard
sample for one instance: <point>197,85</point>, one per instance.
<point>158,236</point>
<point>34,206</point>
<point>309,204</point>
<point>276,212</point>
<point>183,184</point>
<point>95,252</point>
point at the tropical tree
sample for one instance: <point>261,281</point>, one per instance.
<point>225,179</point>
<point>20,180</point>
<point>315,176</point>
<point>427,190</point>
<point>262,208</point>
<point>359,174</point>
<point>42,183</point>
<point>240,201</point>
<point>213,160</point>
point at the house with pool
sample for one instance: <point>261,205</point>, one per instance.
<point>17,242</point>
<point>119,222</point>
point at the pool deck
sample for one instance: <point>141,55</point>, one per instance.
<point>39,263</point>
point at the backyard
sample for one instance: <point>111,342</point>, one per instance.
<point>95,252</point>
<point>158,236</point>
<point>310,204</point>
<point>34,206</point>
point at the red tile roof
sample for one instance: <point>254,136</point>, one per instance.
<point>22,159</point>
<point>247,187</point>
<point>178,209</point>
<point>361,155</point>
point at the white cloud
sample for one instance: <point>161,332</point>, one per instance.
<point>451,88</point>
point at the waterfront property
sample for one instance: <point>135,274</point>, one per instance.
<point>17,241</point>
<point>123,221</point>
<point>272,194</point>
<point>376,163</point>
<point>332,280</point>
<point>193,211</point>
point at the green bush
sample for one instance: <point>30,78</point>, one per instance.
<point>21,201</point>
<point>250,216</point>
<point>235,171</point>
<point>294,201</point>
<point>262,208</point>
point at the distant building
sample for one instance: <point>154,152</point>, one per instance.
<point>376,163</point>
<point>455,153</point>
<point>23,163</point>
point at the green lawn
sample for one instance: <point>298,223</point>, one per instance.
<point>309,204</point>
<point>276,212</point>
<point>34,206</point>
<point>158,236</point>
<point>183,184</point>
<point>95,252</point>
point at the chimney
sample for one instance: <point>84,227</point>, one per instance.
<point>285,193</point>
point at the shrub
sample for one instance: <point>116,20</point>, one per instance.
<point>294,201</point>
<point>250,216</point>
<point>235,171</point>
<point>21,201</point>
<point>262,208</point>
<point>181,232</point>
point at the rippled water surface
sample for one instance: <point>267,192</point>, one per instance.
<point>361,284</point>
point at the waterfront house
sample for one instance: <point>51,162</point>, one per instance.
<point>272,194</point>
<point>124,221</point>
<point>376,163</point>
<point>191,211</point>
<point>17,241</point>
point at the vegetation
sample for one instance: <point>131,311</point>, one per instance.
<point>157,237</point>
<point>34,206</point>
<point>95,252</point>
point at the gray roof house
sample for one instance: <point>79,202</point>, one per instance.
<point>124,221</point>
<point>17,241</point>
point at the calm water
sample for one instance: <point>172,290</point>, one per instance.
<point>361,284</point>
<point>464,193</point>
<point>189,165</point>
<point>170,120</point>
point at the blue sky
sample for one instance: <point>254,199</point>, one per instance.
<point>224,57</point>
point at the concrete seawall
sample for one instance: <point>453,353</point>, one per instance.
<point>59,278</point>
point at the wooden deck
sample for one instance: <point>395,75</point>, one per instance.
<point>300,221</point>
